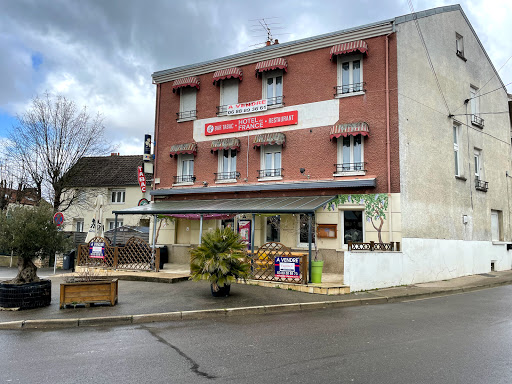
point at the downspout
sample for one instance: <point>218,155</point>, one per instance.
<point>388,144</point>
<point>155,141</point>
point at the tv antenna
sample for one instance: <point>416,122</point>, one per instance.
<point>266,26</point>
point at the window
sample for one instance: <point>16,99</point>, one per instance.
<point>79,225</point>
<point>350,154</point>
<point>229,91</point>
<point>80,197</point>
<point>352,226</point>
<point>111,224</point>
<point>273,87</point>
<point>303,221</point>
<point>273,228</point>
<point>117,196</point>
<point>496,218</point>
<point>459,45</point>
<point>187,104</point>
<point>271,161</point>
<point>456,129</point>
<point>478,164</point>
<point>227,165</point>
<point>350,75</point>
<point>185,169</point>
<point>475,107</point>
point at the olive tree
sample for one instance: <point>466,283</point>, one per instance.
<point>30,232</point>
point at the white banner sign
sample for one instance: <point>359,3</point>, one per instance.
<point>252,106</point>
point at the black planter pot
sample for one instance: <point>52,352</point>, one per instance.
<point>222,292</point>
<point>26,296</point>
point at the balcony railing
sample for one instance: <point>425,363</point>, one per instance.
<point>481,185</point>
<point>349,88</point>
<point>221,109</point>
<point>186,115</point>
<point>227,175</point>
<point>350,167</point>
<point>184,179</point>
<point>278,100</point>
<point>477,120</point>
<point>270,172</point>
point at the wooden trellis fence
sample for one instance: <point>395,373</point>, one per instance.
<point>135,255</point>
<point>263,263</point>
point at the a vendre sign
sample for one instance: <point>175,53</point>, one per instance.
<point>252,106</point>
<point>250,123</point>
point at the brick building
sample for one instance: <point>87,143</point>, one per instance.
<point>353,125</point>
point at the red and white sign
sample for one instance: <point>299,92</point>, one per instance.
<point>252,106</point>
<point>250,123</point>
<point>142,179</point>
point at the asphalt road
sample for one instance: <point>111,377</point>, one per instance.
<point>465,338</point>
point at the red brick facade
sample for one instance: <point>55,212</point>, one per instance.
<point>311,77</point>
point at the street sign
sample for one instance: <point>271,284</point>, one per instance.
<point>58,219</point>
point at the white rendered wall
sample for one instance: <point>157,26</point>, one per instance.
<point>423,260</point>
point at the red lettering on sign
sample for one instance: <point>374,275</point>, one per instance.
<point>142,179</point>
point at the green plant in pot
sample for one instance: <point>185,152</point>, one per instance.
<point>220,259</point>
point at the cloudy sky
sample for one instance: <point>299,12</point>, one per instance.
<point>101,53</point>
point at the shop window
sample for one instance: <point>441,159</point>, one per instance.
<point>352,226</point>
<point>273,88</point>
<point>350,75</point>
<point>273,228</point>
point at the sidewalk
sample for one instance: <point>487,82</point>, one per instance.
<point>145,301</point>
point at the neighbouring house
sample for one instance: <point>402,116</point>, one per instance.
<point>382,133</point>
<point>113,177</point>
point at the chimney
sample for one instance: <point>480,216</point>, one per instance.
<point>276,41</point>
<point>268,43</point>
<point>114,154</point>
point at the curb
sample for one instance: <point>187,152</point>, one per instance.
<point>225,312</point>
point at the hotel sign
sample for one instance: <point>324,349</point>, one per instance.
<point>252,106</point>
<point>251,123</point>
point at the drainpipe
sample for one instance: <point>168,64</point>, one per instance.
<point>155,136</point>
<point>388,143</point>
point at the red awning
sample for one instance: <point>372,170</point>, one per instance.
<point>177,149</point>
<point>352,46</point>
<point>235,73</point>
<point>269,65</point>
<point>230,143</point>
<point>192,81</point>
<point>353,129</point>
<point>270,139</point>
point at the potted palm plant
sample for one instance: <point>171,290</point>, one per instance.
<point>220,259</point>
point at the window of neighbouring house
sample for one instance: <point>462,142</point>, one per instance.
<point>117,196</point>
<point>352,226</point>
<point>478,164</point>
<point>271,161</point>
<point>273,87</point>
<point>303,224</point>
<point>496,218</point>
<point>79,225</point>
<point>187,104</point>
<point>459,45</point>
<point>185,169</point>
<point>350,154</point>
<point>227,164</point>
<point>350,75</point>
<point>475,107</point>
<point>111,224</point>
<point>456,132</point>
<point>273,228</point>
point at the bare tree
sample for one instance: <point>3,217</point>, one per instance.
<point>49,139</point>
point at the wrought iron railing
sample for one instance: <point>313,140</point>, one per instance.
<point>278,100</point>
<point>373,246</point>
<point>477,120</point>
<point>350,88</point>
<point>227,175</point>
<point>348,167</point>
<point>186,114</point>
<point>184,179</point>
<point>481,185</point>
<point>270,172</point>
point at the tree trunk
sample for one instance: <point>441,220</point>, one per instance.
<point>26,272</point>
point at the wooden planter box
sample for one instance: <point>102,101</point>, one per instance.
<point>88,292</point>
